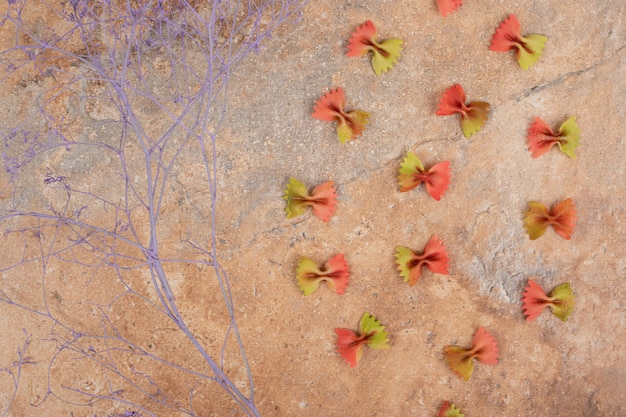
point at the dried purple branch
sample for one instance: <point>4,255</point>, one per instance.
<point>103,72</point>
<point>15,369</point>
<point>126,414</point>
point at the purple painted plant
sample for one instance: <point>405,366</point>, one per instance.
<point>126,414</point>
<point>100,216</point>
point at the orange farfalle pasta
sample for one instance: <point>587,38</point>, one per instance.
<point>330,107</point>
<point>412,173</point>
<point>484,349</point>
<point>336,274</point>
<point>560,300</point>
<point>541,137</point>
<point>448,6</point>
<point>449,410</point>
<point>371,333</point>
<point>473,115</point>
<point>410,263</point>
<point>322,201</point>
<point>384,54</point>
<point>561,216</point>
<point>508,36</point>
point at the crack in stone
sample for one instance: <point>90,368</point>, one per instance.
<point>477,217</point>
<point>366,173</point>
<point>278,230</point>
<point>531,91</point>
<point>395,161</point>
<point>570,74</point>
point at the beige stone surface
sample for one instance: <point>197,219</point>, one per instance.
<point>547,367</point>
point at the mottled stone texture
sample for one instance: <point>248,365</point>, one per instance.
<point>547,367</point>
